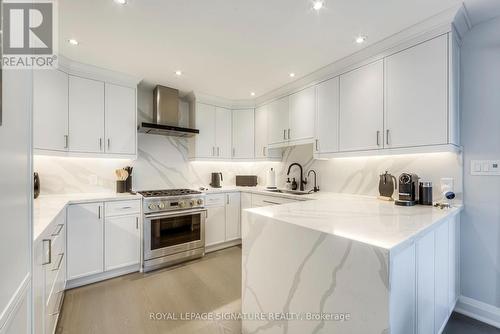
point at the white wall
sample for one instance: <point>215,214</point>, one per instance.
<point>480,241</point>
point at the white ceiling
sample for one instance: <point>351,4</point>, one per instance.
<point>229,48</point>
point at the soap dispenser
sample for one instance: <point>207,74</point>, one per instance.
<point>294,184</point>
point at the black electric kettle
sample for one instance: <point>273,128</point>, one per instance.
<point>386,186</point>
<point>216,180</point>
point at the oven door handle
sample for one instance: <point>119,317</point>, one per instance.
<point>174,213</point>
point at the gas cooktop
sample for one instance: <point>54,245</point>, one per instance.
<point>168,192</point>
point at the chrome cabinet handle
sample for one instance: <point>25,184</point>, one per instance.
<point>60,227</point>
<point>126,207</point>
<point>213,150</point>
<point>387,136</point>
<point>270,202</point>
<point>99,212</point>
<point>227,198</point>
<point>284,134</point>
<point>100,144</point>
<point>136,223</point>
<point>109,143</point>
<point>288,134</point>
<point>378,138</point>
<point>218,151</point>
<point>264,151</point>
<point>50,251</point>
<point>61,256</point>
<point>317,143</point>
<point>66,144</point>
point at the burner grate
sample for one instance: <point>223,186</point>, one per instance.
<point>168,192</point>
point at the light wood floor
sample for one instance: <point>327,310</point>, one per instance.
<point>123,305</point>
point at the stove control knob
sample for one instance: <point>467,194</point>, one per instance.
<point>192,202</point>
<point>199,201</point>
<point>182,204</point>
<point>152,206</point>
<point>161,205</point>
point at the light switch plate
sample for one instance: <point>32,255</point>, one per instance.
<point>485,167</point>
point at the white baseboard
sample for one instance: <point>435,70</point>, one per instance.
<point>227,244</point>
<point>74,283</point>
<point>478,310</point>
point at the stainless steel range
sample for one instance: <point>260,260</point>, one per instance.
<point>174,226</point>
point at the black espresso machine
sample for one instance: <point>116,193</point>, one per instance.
<point>408,190</point>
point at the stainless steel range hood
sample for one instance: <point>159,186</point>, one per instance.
<point>166,115</point>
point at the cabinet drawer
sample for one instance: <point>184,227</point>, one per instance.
<point>261,200</point>
<point>54,277</point>
<point>215,200</point>
<point>120,208</point>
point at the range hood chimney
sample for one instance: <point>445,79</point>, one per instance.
<point>166,115</point>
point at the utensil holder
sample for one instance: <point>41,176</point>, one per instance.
<point>121,187</point>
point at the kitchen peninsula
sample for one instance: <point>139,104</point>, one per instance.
<point>349,264</point>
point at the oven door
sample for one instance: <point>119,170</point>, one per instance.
<point>173,232</point>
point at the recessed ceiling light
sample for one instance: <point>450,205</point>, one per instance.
<point>178,73</point>
<point>252,93</point>
<point>360,39</point>
<point>121,2</point>
<point>318,4</point>
<point>73,41</point>
<point>292,75</point>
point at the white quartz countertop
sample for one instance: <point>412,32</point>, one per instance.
<point>263,191</point>
<point>359,218</point>
<point>47,207</point>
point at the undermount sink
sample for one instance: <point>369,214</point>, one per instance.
<point>284,191</point>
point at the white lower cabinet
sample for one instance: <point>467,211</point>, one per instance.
<point>103,237</point>
<point>215,226</point>
<point>85,240</point>
<point>121,242</point>
<point>49,275</point>
<point>423,281</point>
<point>233,215</point>
<point>224,218</point>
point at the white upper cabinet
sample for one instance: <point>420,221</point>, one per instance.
<point>278,121</point>
<point>261,132</point>
<point>416,88</point>
<point>362,108</point>
<point>302,113</point>
<point>50,110</point>
<point>205,122</point>
<point>243,134</point>
<point>120,119</point>
<point>223,132</point>
<point>327,116</point>
<point>86,115</point>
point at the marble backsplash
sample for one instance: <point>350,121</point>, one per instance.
<point>163,163</point>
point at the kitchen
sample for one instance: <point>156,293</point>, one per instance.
<point>340,191</point>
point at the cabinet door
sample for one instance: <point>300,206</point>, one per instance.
<point>362,108</point>
<point>121,242</point>
<point>425,284</point>
<point>417,94</point>
<point>302,114</point>
<point>215,227</point>
<point>85,240</point>
<point>278,121</point>
<point>50,110</point>
<point>120,119</point>
<point>223,132</point>
<point>86,115</point>
<point>441,276</point>
<point>261,132</point>
<point>233,215</point>
<point>205,122</point>
<point>327,117</point>
<point>243,134</point>
<point>40,257</point>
